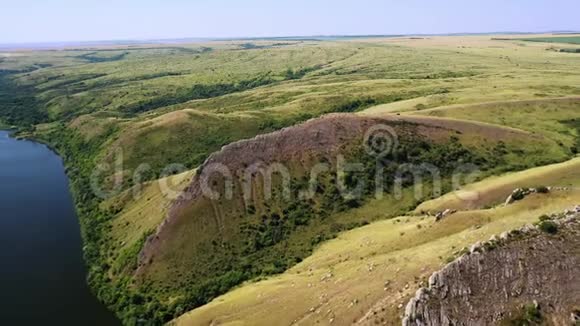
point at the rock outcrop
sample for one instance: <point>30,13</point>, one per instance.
<point>441,215</point>
<point>533,265</point>
<point>521,193</point>
<point>298,147</point>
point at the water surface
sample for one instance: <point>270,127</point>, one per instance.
<point>42,273</point>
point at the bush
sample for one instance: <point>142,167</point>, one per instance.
<point>197,92</point>
<point>532,313</point>
<point>549,227</point>
<point>542,190</point>
<point>518,194</point>
<point>544,218</point>
<point>529,315</point>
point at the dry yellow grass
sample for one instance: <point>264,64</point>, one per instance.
<point>377,266</point>
<point>143,208</point>
<point>370,267</point>
<point>344,280</point>
<point>494,190</point>
<point>415,75</point>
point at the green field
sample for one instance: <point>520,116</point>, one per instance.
<point>556,39</point>
<point>504,106</point>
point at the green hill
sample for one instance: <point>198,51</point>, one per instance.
<point>138,126</point>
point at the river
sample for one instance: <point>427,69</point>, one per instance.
<point>42,273</point>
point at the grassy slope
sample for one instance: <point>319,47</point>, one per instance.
<point>495,190</point>
<point>327,301</point>
<point>468,132</point>
<point>401,251</point>
<point>547,116</point>
<point>430,73</point>
<point>141,209</point>
<point>180,258</point>
<point>393,71</point>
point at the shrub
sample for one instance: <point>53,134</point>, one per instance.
<point>489,246</point>
<point>450,259</point>
<point>544,218</point>
<point>518,194</point>
<point>542,190</point>
<point>549,227</point>
<point>529,315</point>
<point>532,313</point>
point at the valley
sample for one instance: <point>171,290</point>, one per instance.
<point>147,131</point>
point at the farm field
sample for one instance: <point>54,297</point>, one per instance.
<point>135,120</point>
<point>574,39</point>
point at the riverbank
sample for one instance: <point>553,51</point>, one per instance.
<point>4,126</point>
<point>44,270</point>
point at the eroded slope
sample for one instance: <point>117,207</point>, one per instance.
<point>526,276</point>
<point>205,246</point>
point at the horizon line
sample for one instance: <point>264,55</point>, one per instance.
<point>319,37</point>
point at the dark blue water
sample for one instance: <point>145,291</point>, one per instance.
<point>42,274</point>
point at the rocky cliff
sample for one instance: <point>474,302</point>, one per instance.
<point>530,275</point>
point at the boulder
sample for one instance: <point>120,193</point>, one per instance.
<point>440,215</point>
<point>518,194</point>
<point>509,200</point>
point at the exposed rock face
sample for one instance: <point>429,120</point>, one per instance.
<point>492,282</point>
<point>441,215</point>
<point>521,193</point>
<point>298,148</point>
<point>216,241</point>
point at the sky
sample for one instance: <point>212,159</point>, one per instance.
<point>33,21</point>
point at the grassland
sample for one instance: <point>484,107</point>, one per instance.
<point>236,242</point>
<point>551,117</point>
<point>493,191</point>
<point>333,76</point>
<point>336,298</point>
<point>141,209</point>
<point>556,39</point>
<point>366,274</point>
<point>159,105</point>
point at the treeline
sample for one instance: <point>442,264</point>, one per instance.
<point>266,251</point>
<point>18,104</point>
<point>197,92</point>
<point>251,46</point>
<point>92,58</point>
<point>574,124</point>
<point>354,105</point>
<point>205,91</point>
<point>351,105</point>
<point>570,50</point>
<point>300,73</point>
<point>131,304</point>
<point>78,83</point>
